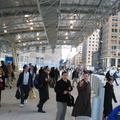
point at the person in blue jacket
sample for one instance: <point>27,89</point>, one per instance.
<point>114,113</point>
<point>114,77</point>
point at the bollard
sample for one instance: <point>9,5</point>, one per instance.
<point>95,108</point>
<point>101,95</point>
<point>91,81</point>
<point>83,118</point>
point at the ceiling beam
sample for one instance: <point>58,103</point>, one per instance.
<point>39,29</point>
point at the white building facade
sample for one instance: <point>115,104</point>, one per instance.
<point>90,45</point>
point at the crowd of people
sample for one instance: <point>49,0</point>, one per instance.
<point>62,86</point>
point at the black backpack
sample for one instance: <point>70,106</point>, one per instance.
<point>37,84</point>
<point>70,101</point>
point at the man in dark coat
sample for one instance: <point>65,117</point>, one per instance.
<point>83,102</point>
<point>43,92</point>
<point>109,95</point>
<point>62,88</point>
<point>4,67</point>
<point>107,75</point>
<point>75,76</point>
<point>25,83</point>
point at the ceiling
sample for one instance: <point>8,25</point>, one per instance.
<point>31,23</point>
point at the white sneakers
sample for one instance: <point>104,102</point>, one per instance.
<point>25,101</point>
<point>21,105</point>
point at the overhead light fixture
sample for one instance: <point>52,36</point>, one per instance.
<point>64,41</point>
<point>71,27</point>
<point>26,16</point>
<point>24,44</point>
<point>31,28</point>
<point>71,21</point>
<point>40,42</point>
<point>27,21</point>
<point>31,20</point>
<point>37,34</point>
<point>31,23</point>
<point>66,37</point>
<point>38,38</point>
<point>5,31</point>
<point>66,33</point>
<point>19,41</point>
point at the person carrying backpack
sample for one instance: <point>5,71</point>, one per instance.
<point>43,90</point>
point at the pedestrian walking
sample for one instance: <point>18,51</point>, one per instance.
<point>24,83</point>
<point>115,77</point>
<point>75,76</point>
<point>109,95</point>
<point>62,89</point>
<point>43,91</point>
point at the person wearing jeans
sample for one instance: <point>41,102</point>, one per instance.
<point>24,83</point>
<point>62,88</point>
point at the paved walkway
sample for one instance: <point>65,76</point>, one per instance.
<point>10,109</point>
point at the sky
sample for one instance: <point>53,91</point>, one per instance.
<point>67,50</point>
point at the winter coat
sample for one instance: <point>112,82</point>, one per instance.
<point>109,95</point>
<point>44,92</point>
<point>82,104</point>
<point>60,87</point>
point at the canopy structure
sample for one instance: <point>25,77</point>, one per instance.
<point>32,23</point>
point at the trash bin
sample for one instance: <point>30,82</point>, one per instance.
<point>83,118</point>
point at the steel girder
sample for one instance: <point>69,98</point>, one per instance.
<point>54,20</point>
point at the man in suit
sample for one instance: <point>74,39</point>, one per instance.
<point>62,88</point>
<point>25,83</point>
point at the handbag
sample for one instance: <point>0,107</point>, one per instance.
<point>70,101</point>
<point>17,94</point>
<point>32,94</point>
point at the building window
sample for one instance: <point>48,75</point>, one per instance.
<point>113,36</point>
<point>113,47</point>
<point>114,30</point>
<point>114,18</point>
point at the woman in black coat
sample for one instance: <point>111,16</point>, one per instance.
<point>109,95</point>
<point>2,82</point>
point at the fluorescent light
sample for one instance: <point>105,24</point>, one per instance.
<point>40,42</point>
<point>66,37</point>
<point>31,28</point>
<point>66,33</point>
<point>31,23</point>
<point>24,44</point>
<point>38,38</point>
<point>26,16</point>
<point>5,31</point>
<point>71,21</point>
<point>37,34</point>
<point>71,27</point>
<point>19,41</point>
<point>64,41</point>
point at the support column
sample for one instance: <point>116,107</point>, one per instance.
<point>116,62</point>
<point>15,56</point>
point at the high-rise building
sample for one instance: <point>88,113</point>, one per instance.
<point>90,45</point>
<point>110,52</point>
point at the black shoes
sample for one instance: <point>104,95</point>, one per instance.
<point>41,111</point>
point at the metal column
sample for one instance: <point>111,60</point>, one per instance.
<point>15,56</point>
